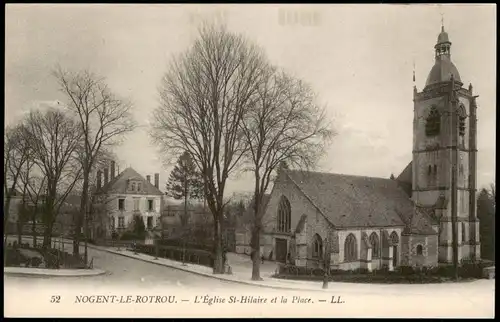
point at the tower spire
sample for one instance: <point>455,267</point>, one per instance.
<point>442,22</point>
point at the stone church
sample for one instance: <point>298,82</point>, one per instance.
<point>351,222</point>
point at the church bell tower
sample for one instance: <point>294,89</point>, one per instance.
<point>444,155</point>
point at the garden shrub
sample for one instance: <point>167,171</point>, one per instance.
<point>195,256</point>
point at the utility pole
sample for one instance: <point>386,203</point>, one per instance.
<point>326,275</point>
<point>454,157</point>
<point>85,233</point>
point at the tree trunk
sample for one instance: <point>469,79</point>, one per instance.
<point>19,230</point>
<point>257,224</point>
<point>255,241</point>
<point>47,236</point>
<point>184,223</point>
<point>6,206</point>
<point>81,215</point>
<point>33,227</point>
<point>218,267</point>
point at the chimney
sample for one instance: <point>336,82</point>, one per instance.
<point>157,180</point>
<point>106,177</point>
<point>112,170</point>
<point>99,175</point>
<point>148,177</point>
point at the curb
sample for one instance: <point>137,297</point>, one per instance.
<point>22,271</point>
<point>213,276</point>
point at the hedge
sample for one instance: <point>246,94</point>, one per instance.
<point>54,258</point>
<point>208,246</point>
<point>194,256</point>
<point>403,274</point>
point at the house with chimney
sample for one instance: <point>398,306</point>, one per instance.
<point>121,197</point>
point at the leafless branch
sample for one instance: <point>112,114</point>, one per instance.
<point>285,124</point>
<point>103,118</point>
<point>203,98</point>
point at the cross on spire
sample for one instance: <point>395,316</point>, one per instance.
<point>442,21</point>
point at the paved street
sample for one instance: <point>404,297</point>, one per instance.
<point>124,271</point>
<point>131,276</point>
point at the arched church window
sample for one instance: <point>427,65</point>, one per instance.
<point>284,216</point>
<point>462,115</point>
<point>375,242</point>
<point>420,249</point>
<point>317,247</point>
<point>394,238</point>
<point>433,122</point>
<point>350,248</point>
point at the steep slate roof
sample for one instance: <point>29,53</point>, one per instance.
<point>405,179</point>
<point>119,184</point>
<point>357,201</point>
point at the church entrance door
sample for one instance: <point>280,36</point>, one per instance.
<point>281,250</point>
<point>394,256</point>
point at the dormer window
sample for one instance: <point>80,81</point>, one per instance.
<point>134,186</point>
<point>433,122</point>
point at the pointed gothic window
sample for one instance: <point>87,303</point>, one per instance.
<point>374,241</point>
<point>433,122</point>
<point>317,247</point>
<point>462,115</point>
<point>284,216</point>
<point>350,249</point>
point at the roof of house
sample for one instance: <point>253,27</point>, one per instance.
<point>119,184</point>
<point>14,192</point>
<point>358,201</point>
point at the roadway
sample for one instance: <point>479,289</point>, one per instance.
<point>131,276</point>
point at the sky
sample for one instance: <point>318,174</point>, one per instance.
<point>358,58</point>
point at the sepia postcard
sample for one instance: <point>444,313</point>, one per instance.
<point>249,160</point>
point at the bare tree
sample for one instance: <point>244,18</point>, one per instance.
<point>16,153</point>
<point>25,208</point>
<point>204,97</point>
<point>103,118</point>
<point>285,124</point>
<point>34,185</point>
<point>54,138</point>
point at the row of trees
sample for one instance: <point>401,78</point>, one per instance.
<point>230,109</point>
<point>54,152</point>
<point>486,214</point>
